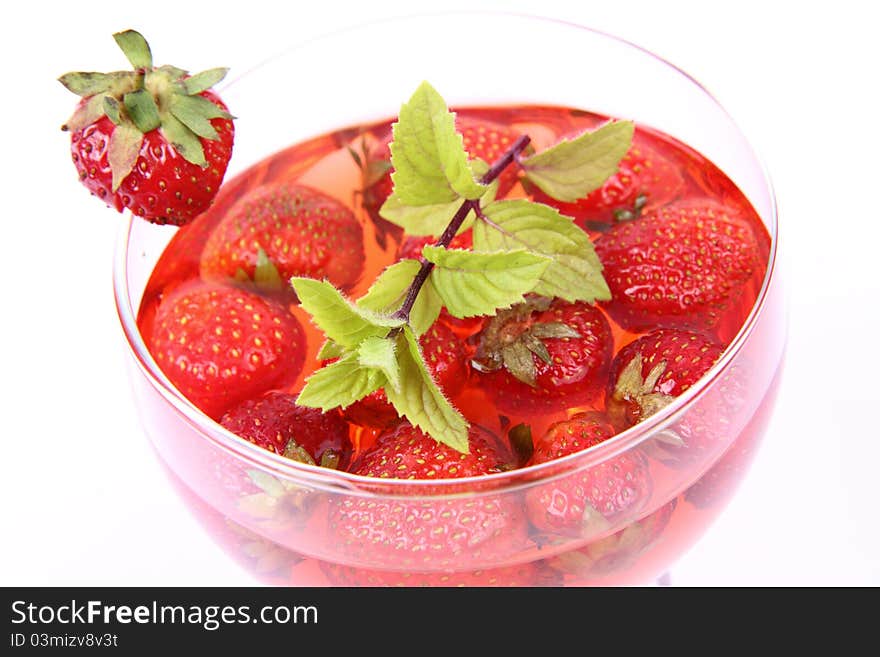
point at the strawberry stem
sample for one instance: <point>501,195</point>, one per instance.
<point>412,293</point>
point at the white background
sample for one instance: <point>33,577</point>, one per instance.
<point>799,78</point>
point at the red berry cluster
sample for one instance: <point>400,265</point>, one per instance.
<point>676,263</point>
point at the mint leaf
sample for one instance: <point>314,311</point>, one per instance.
<point>428,156</point>
<point>574,272</point>
<point>433,219</point>
<point>340,384</point>
<point>572,169</point>
<point>340,320</point>
<point>329,350</point>
<point>422,219</point>
<point>421,401</point>
<point>476,283</point>
<point>389,291</point>
<point>379,354</point>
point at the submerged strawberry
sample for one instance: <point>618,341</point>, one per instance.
<point>644,181</point>
<point>276,423</point>
<point>154,140</point>
<point>680,266</point>
<point>648,374</point>
<point>302,232</point>
<point>445,355</point>
<point>619,551</point>
<point>716,486</point>
<point>424,534</point>
<point>544,355</point>
<point>588,500</point>
<point>221,345</point>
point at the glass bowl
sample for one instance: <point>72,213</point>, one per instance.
<point>278,517</point>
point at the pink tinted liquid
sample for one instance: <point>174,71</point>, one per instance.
<point>325,163</point>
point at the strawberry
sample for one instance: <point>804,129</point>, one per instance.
<point>482,139</point>
<point>619,551</point>
<point>589,499</point>
<point>275,423</point>
<point>154,140</point>
<point>544,355</point>
<point>422,534</point>
<point>717,485</point>
<point>527,574</point>
<point>652,371</point>
<point>445,355</point>
<point>680,266</point>
<point>302,231</point>
<point>649,373</point>
<point>644,180</point>
<point>221,345</point>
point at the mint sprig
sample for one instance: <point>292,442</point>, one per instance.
<point>572,169</point>
<point>389,292</point>
<point>520,248</point>
<point>473,283</point>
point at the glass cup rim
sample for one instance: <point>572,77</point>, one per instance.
<point>316,476</point>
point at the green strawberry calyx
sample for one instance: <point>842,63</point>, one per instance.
<point>511,338</point>
<point>636,394</point>
<point>146,98</point>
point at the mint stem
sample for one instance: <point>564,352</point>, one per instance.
<point>451,231</point>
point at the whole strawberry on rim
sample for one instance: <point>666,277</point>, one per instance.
<point>589,499</point>
<point>155,140</point>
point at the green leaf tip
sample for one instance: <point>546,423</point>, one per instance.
<point>475,283</point>
<point>203,81</point>
<point>380,354</point>
<point>341,321</point>
<point>430,164</point>
<point>135,48</point>
<point>266,275</point>
<point>574,272</point>
<point>573,168</point>
<point>421,401</point>
<point>340,384</point>
<point>122,152</point>
<point>431,220</point>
